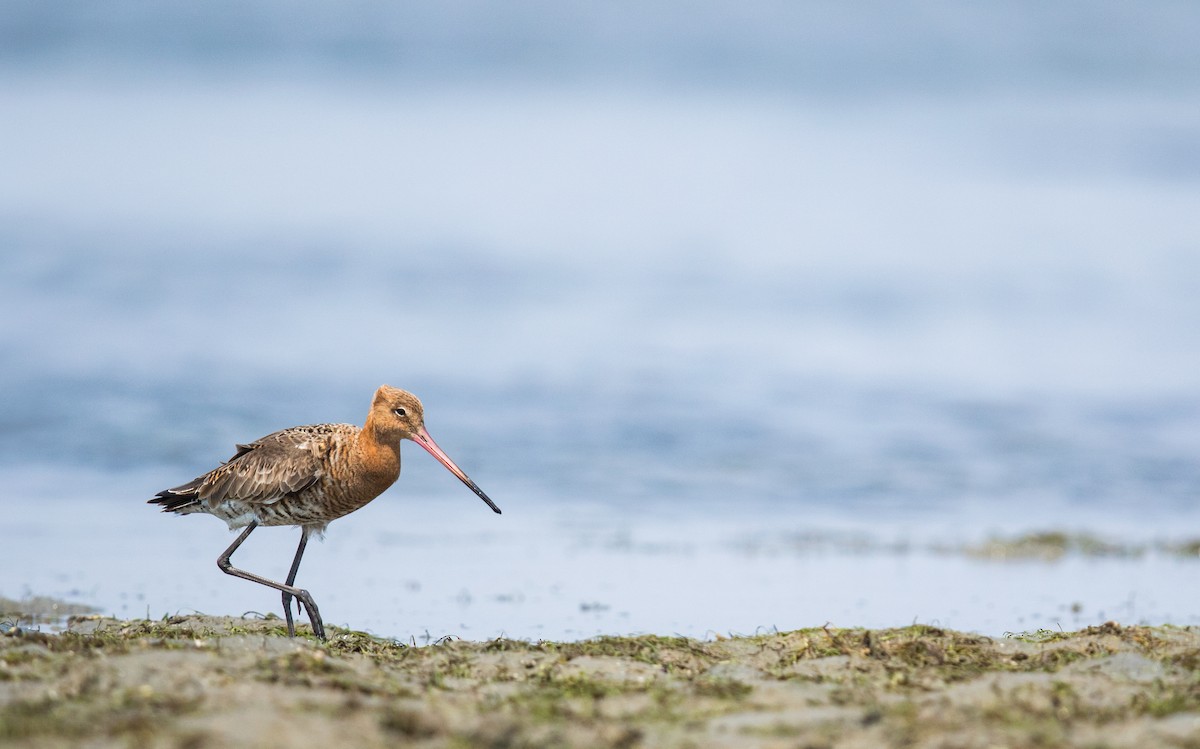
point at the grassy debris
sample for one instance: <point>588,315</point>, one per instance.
<point>199,681</point>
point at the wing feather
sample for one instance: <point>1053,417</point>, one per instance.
<point>262,472</point>
<point>270,468</point>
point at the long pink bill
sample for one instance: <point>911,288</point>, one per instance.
<point>423,439</point>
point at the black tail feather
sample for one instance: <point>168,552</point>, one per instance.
<point>180,499</point>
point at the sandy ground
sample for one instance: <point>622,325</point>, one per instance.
<point>194,682</point>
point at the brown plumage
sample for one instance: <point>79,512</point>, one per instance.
<point>309,476</point>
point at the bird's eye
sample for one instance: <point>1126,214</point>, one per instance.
<point>400,412</point>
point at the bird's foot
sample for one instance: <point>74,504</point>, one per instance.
<point>305,599</point>
<point>287,613</point>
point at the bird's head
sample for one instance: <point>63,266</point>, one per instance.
<point>398,414</point>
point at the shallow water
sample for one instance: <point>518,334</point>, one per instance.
<point>669,323</point>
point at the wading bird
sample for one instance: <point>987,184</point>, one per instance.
<point>309,476</point>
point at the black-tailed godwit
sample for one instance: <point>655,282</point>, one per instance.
<point>309,476</point>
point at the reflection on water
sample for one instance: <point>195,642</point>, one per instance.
<point>674,308</point>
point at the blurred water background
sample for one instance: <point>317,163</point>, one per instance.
<point>749,315</point>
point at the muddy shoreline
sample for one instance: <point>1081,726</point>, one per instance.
<point>200,681</point>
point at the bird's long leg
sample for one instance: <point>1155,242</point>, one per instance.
<point>310,605</point>
<point>291,579</point>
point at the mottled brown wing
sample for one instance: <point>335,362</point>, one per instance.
<point>271,468</point>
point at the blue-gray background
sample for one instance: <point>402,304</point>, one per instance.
<point>688,289</point>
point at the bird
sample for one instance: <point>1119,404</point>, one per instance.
<point>308,476</point>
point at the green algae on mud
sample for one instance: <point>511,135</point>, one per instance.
<point>1039,546</point>
<point>210,681</point>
